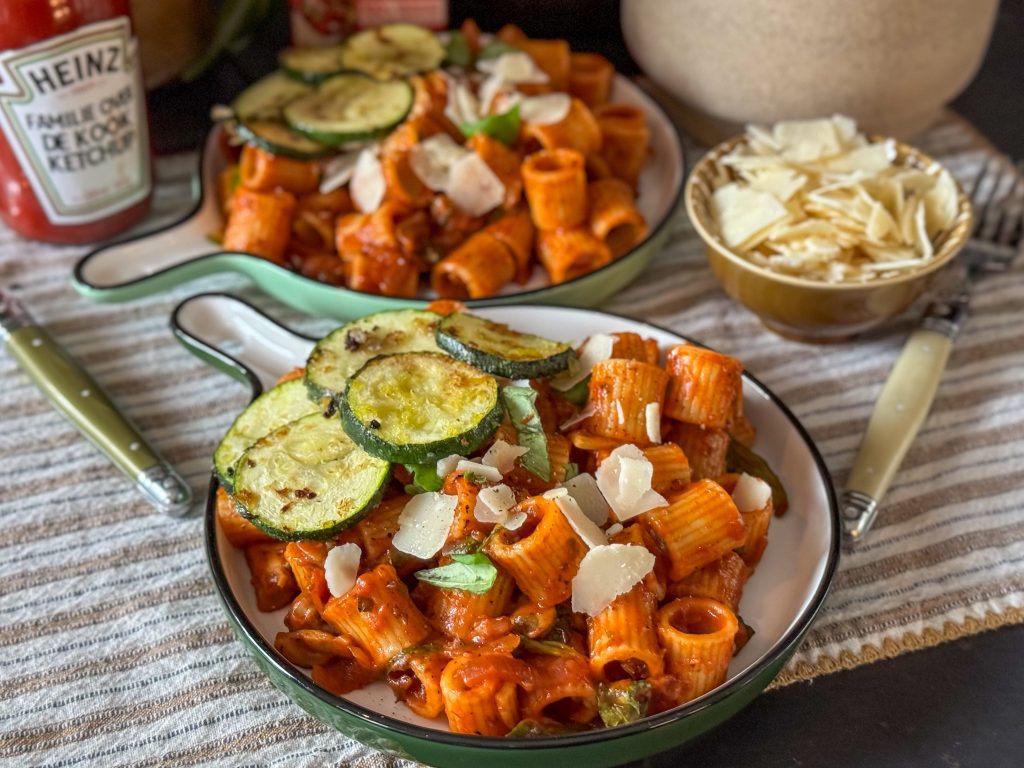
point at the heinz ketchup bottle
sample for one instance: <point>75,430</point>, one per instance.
<point>74,142</point>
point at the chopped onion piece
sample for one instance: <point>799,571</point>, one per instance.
<point>653,415</point>
<point>482,470</point>
<point>751,493</point>
<point>424,524</point>
<point>583,488</point>
<point>368,184</point>
<point>341,568</point>
<point>607,572</point>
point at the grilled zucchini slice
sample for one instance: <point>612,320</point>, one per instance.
<point>497,349</point>
<point>419,407</point>
<point>264,99</point>
<point>308,480</point>
<point>344,351</point>
<point>311,65</point>
<point>277,138</point>
<point>393,50</point>
<point>274,408</point>
<point>350,107</point>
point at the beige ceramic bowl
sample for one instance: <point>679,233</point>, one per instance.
<point>811,310</point>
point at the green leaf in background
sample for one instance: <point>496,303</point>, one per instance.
<point>739,458</point>
<point>571,470</point>
<point>578,393</point>
<point>503,127</point>
<point>521,406</point>
<point>495,49</point>
<point>424,479</point>
<point>457,51</point>
<point>621,703</point>
<point>472,573</point>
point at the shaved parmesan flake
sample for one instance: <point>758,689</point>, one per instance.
<point>473,186</point>
<point>462,106</point>
<point>743,213</point>
<point>547,109</point>
<point>481,470</point>
<point>424,524</point>
<point>585,528</point>
<point>341,567</point>
<point>751,493</point>
<point>514,521</point>
<point>432,159</point>
<point>607,572</point>
<point>652,413</point>
<point>514,67</point>
<point>338,171</point>
<point>614,529</point>
<point>582,415</point>
<point>448,464</point>
<point>502,456</point>
<point>494,504</point>
<point>625,480</point>
<point>368,183</point>
<point>583,488</point>
<point>595,349</point>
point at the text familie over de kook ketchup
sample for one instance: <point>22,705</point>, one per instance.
<point>74,146</point>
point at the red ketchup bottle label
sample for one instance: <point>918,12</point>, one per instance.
<point>72,110</point>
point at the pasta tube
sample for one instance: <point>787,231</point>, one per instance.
<point>625,139</point>
<point>706,449</point>
<point>262,171</point>
<point>614,218</point>
<point>272,578</point>
<point>515,231</point>
<point>415,678</point>
<point>698,636</point>
<point>590,78</point>
<point>476,269</point>
<point>481,693</point>
<point>704,386</point>
<point>542,555</point>
<point>569,253</point>
<point>555,183</point>
<point>698,527</point>
<point>620,391</point>
<point>578,131</point>
<point>561,689</point>
<point>622,641</point>
<point>260,223</point>
<point>721,580</point>
<point>378,615</point>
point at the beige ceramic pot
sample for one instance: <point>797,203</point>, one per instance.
<point>891,64</point>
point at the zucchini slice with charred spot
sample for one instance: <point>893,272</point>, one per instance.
<point>419,407</point>
<point>274,408</point>
<point>308,480</point>
<point>497,349</point>
<point>347,349</point>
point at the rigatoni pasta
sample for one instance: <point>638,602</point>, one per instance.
<point>512,589</point>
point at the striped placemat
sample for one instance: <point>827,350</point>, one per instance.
<point>114,650</point>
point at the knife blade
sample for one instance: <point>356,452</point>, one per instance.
<point>73,392</point>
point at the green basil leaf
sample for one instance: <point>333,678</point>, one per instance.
<point>457,51</point>
<point>503,127</point>
<point>739,458</point>
<point>472,573</point>
<point>424,479</point>
<point>538,729</point>
<point>620,703</point>
<point>572,469</point>
<point>496,48</point>
<point>521,406</point>
<point>547,647</point>
<point>578,393</point>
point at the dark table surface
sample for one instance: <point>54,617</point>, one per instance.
<point>957,705</point>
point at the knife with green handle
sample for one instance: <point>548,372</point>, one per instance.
<point>75,394</point>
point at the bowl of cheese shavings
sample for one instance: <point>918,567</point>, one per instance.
<point>821,231</point>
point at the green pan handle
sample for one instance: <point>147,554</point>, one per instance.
<point>75,394</point>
